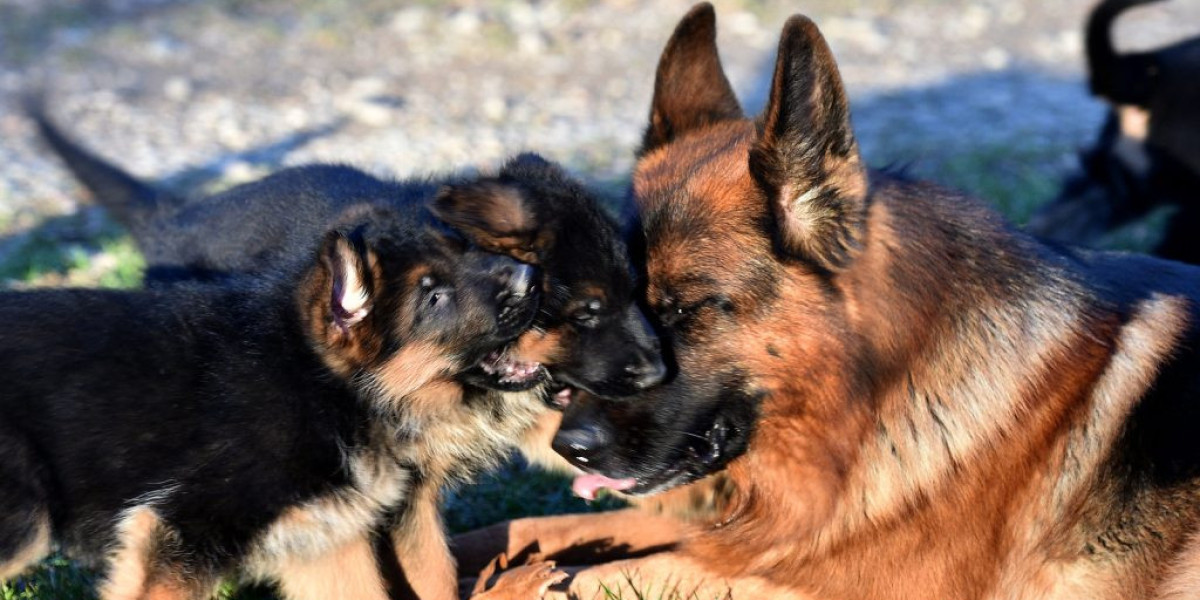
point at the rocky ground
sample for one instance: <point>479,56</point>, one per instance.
<point>985,94</point>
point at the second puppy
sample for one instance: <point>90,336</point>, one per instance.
<point>261,428</point>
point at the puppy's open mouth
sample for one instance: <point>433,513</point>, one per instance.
<point>509,370</point>
<point>502,370</point>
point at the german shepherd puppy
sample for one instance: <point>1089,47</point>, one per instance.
<point>590,332</point>
<point>1148,152</point>
<point>260,428</point>
<point>910,398</point>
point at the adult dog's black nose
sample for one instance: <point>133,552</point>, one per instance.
<point>580,444</point>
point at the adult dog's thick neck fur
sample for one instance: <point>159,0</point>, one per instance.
<point>912,399</point>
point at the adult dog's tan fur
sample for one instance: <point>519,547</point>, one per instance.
<point>948,408</point>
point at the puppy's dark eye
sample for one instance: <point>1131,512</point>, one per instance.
<point>434,295</point>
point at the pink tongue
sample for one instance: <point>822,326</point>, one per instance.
<point>586,486</point>
<point>563,398</point>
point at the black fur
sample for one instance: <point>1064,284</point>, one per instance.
<point>254,226</point>
<point>590,298</point>
<point>221,406</point>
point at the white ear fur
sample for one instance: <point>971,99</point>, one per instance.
<point>351,293</point>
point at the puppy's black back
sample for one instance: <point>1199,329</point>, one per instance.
<point>125,395</point>
<point>253,226</point>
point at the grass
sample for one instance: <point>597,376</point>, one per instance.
<point>77,250</point>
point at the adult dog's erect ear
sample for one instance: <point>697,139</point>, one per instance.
<point>806,158</point>
<point>690,88</point>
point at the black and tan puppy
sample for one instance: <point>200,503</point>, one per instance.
<point>259,428</point>
<point>1147,155</point>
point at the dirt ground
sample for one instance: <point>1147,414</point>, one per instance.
<point>197,93</point>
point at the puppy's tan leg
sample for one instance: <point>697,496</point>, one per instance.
<point>569,539</point>
<point>350,572</point>
<point>134,569</point>
<point>420,543</point>
<point>666,575</point>
<point>32,545</point>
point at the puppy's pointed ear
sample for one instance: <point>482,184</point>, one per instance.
<point>690,87</point>
<point>806,158</point>
<point>350,293</point>
<point>494,216</point>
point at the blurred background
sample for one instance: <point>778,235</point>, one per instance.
<point>984,95</point>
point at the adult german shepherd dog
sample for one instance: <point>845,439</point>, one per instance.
<point>910,398</point>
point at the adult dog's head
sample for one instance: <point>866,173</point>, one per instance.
<point>751,232</point>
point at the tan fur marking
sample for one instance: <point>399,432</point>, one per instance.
<point>168,591</point>
<point>508,213</point>
<point>1130,145</point>
<point>535,445</point>
<point>1142,346</point>
<point>129,565</point>
<point>313,530</point>
<point>347,572</point>
<point>35,550</point>
<point>420,542</point>
<point>539,346</point>
<point>1135,122</point>
<point>450,434</point>
<point>413,367</point>
<point>1182,580</point>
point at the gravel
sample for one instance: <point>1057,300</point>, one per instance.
<point>193,93</point>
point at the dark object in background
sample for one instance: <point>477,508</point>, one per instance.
<point>1148,153</point>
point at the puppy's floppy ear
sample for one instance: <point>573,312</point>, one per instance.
<point>494,216</point>
<point>350,293</point>
<point>806,158</point>
<point>690,87</point>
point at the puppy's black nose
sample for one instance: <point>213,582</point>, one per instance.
<point>646,371</point>
<point>580,444</point>
<point>517,282</point>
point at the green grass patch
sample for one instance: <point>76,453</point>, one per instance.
<point>70,251</point>
<point>1015,181</point>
